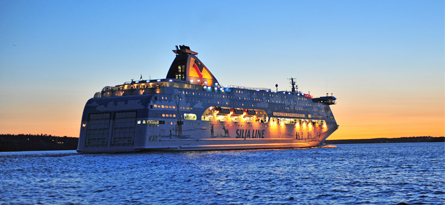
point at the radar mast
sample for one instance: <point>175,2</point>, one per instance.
<point>294,85</point>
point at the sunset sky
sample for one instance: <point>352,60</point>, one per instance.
<point>383,60</point>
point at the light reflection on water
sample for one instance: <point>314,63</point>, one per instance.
<point>360,173</point>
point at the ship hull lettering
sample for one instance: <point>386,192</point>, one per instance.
<point>241,133</point>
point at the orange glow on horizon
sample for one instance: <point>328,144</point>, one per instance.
<point>357,118</point>
<point>417,117</point>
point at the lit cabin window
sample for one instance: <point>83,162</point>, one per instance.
<point>189,116</point>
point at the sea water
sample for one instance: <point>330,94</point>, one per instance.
<point>349,174</point>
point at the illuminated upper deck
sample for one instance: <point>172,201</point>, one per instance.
<point>156,86</point>
<point>186,72</point>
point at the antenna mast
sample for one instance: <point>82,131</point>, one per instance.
<point>326,86</point>
<point>293,83</point>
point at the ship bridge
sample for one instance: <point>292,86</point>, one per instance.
<point>327,100</point>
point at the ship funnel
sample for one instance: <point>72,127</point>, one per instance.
<point>188,67</point>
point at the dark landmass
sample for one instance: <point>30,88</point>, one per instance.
<point>30,142</point>
<point>388,140</point>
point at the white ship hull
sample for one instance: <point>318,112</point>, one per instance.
<point>226,136</point>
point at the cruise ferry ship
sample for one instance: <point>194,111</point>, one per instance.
<point>191,110</point>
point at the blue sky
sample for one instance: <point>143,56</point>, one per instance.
<point>381,59</point>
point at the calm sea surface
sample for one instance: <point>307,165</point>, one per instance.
<point>350,174</point>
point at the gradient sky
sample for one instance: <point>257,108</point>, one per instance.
<point>383,60</point>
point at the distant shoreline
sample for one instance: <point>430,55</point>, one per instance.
<point>388,140</point>
<point>30,142</point>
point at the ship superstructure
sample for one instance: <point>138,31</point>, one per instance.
<point>190,110</point>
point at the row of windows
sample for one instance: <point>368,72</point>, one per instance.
<point>164,106</point>
<point>170,107</point>
<point>216,95</point>
<point>187,116</point>
<point>272,119</point>
<point>203,94</point>
<point>164,115</point>
<point>233,97</point>
<point>239,91</point>
<point>217,102</point>
<point>232,104</point>
<point>259,100</point>
<point>236,103</point>
<point>168,115</point>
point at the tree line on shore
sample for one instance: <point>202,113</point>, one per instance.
<point>388,140</point>
<point>34,142</point>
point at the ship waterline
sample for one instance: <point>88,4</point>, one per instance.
<point>190,110</point>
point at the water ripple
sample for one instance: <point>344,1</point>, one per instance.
<point>399,173</point>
